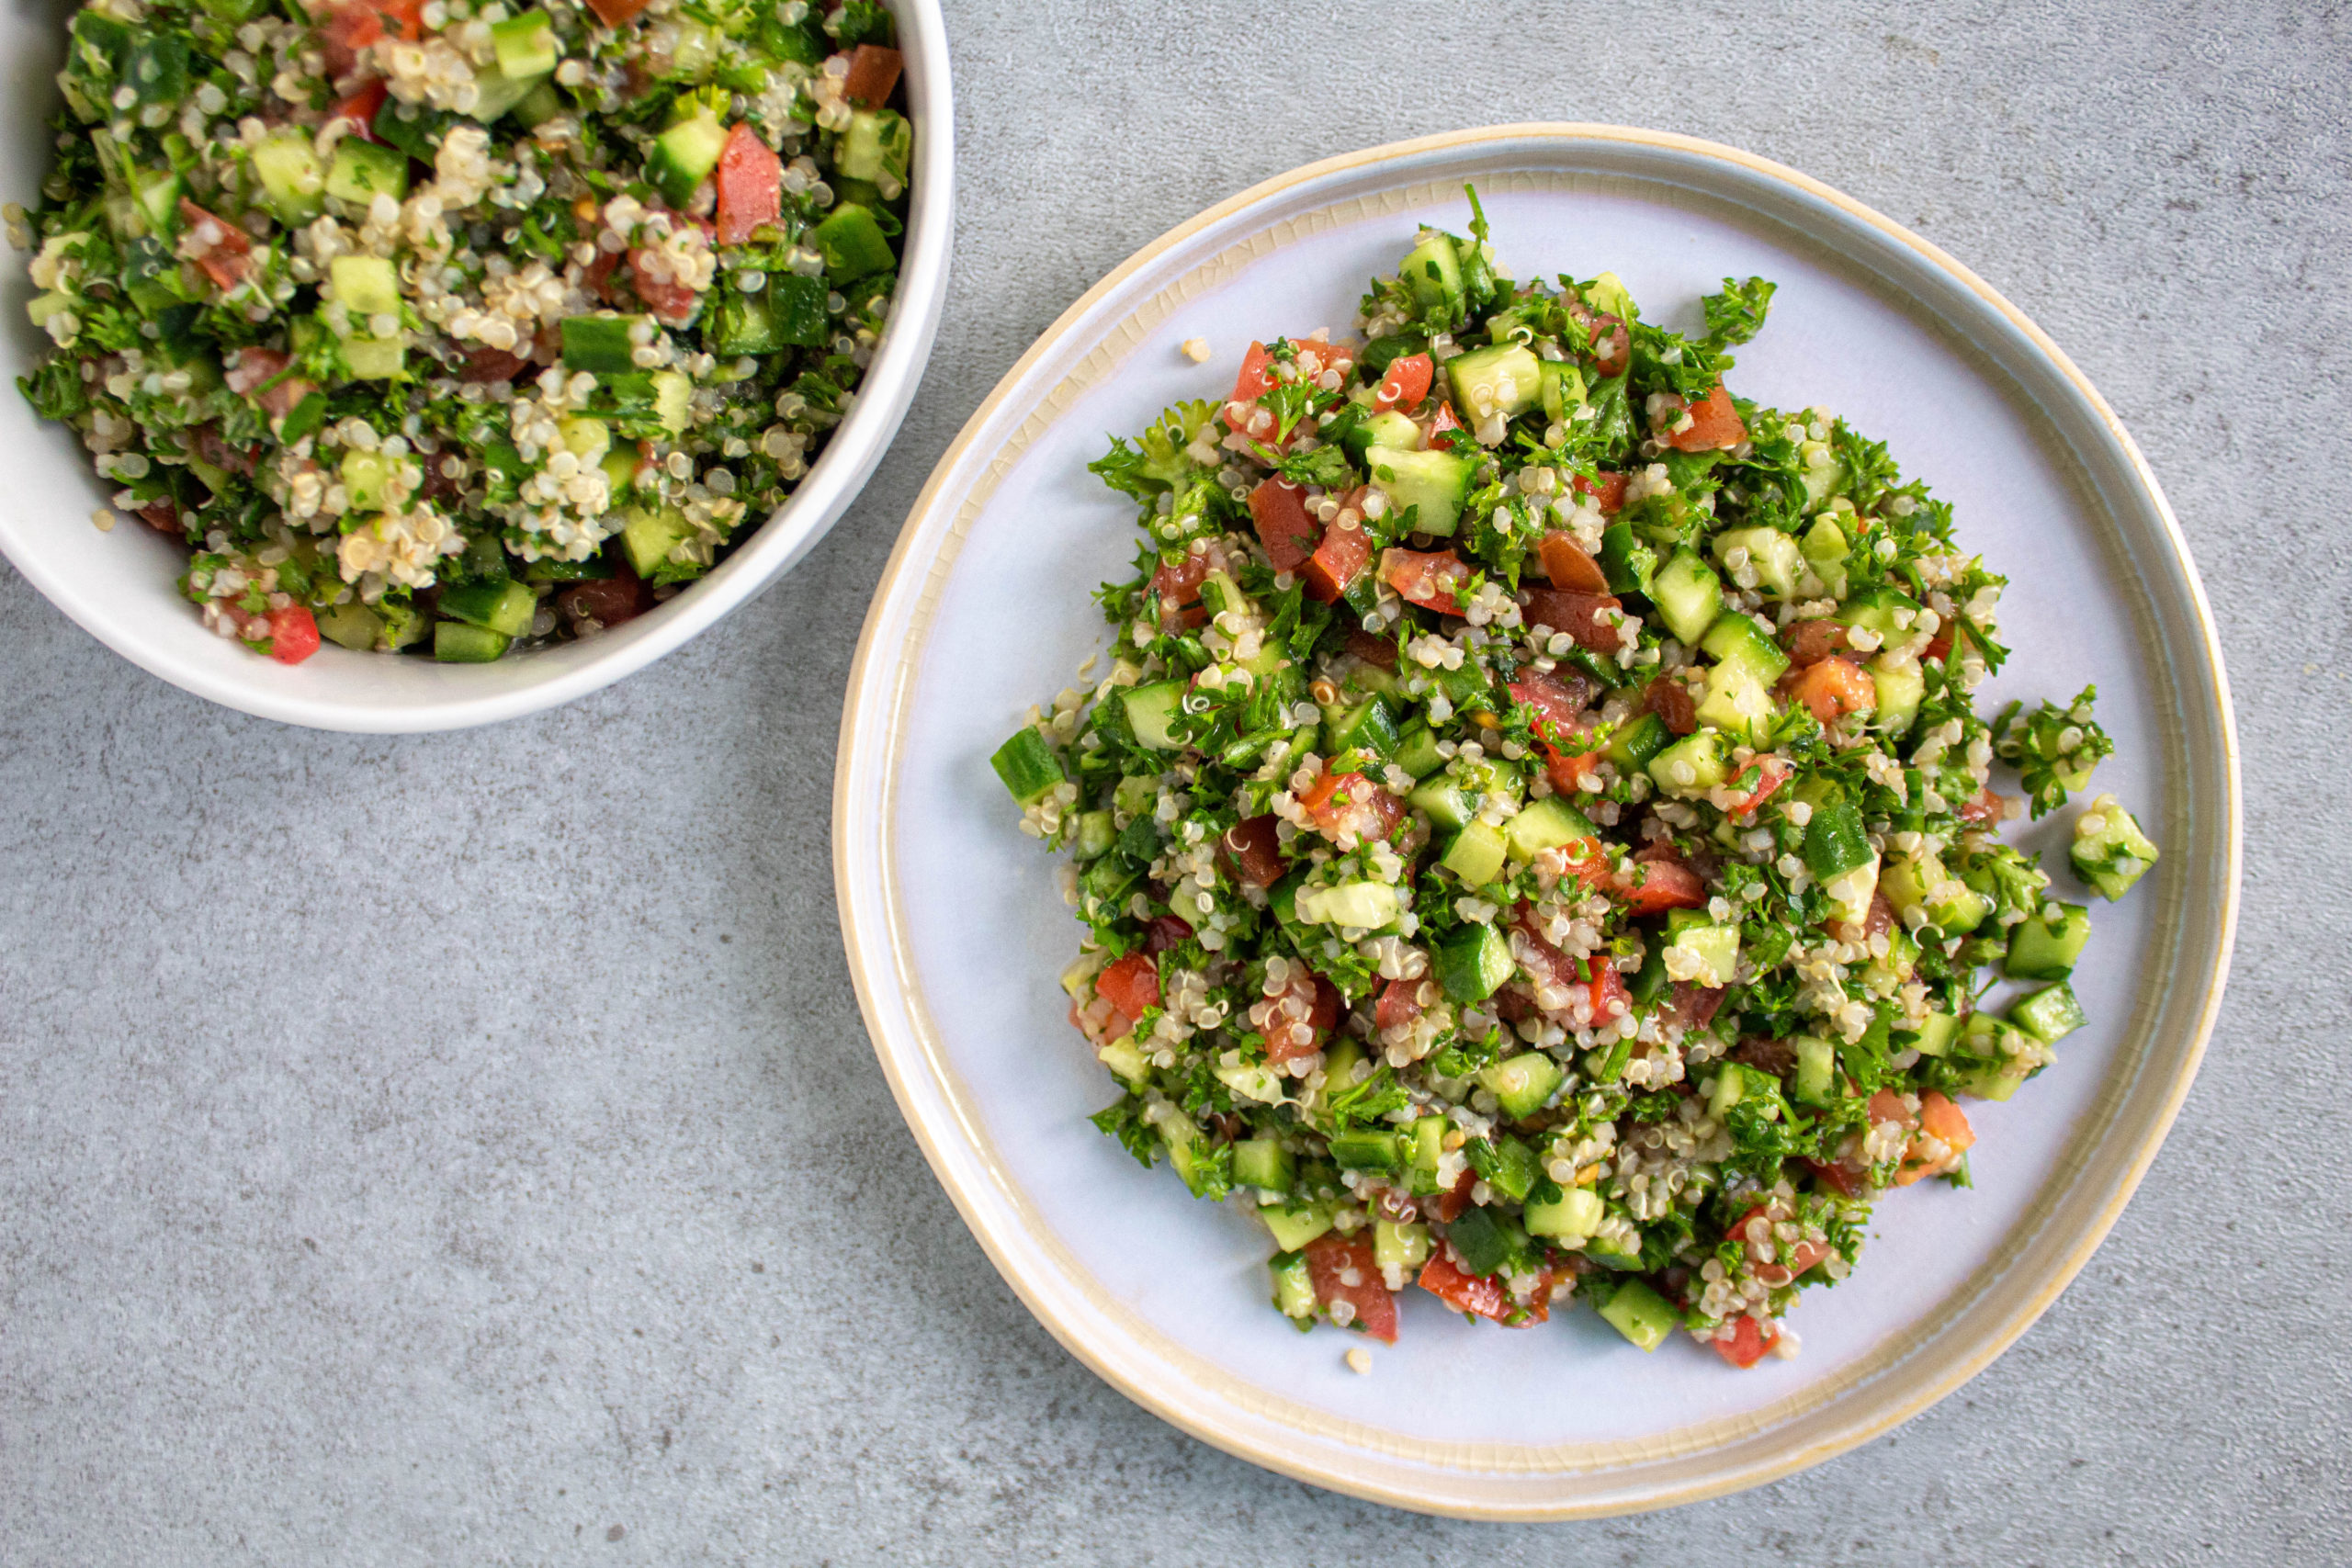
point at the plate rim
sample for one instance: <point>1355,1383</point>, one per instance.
<point>871,972</point>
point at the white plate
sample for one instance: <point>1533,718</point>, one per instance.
<point>956,933</point>
<point>121,586</point>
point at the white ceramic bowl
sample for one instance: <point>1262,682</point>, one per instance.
<point>120,586</point>
<point>955,929</point>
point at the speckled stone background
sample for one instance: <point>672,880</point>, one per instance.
<point>464,1149</point>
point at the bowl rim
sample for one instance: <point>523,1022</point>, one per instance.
<point>855,448</point>
<point>884,978</point>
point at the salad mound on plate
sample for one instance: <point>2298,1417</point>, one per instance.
<point>1534,838</point>
<point>460,325</point>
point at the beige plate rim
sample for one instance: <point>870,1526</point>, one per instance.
<point>877,974</point>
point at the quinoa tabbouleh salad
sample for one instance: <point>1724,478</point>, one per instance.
<point>1535,837</point>
<point>460,325</point>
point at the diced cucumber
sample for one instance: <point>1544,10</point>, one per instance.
<point>1427,1148</point>
<point>1878,610</point>
<point>2046,949</point>
<point>373,359</point>
<point>1369,726</point>
<point>1714,950</point>
<point>1471,962</point>
<point>1907,884</point>
<point>1433,271</point>
<point>1570,1219</point>
<point>876,146</point>
<point>2108,850</point>
<point>538,105</point>
<point>1417,752</point>
<point>1641,739</point>
<point>1434,483</point>
<point>1095,834</point>
<point>1936,1036</point>
<point>586,439</point>
<point>1735,638</point>
<point>457,642</point>
<point>1293,1228</point>
<point>1816,1075</point>
<point>1630,566</point>
<point>2049,1014</point>
<point>684,156</point>
<point>1263,1163</point>
<point>1563,389</point>
<point>1294,1289</point>
<point>1835,843</point>
<point>367,286</point>
<point>1641,1315</point>
<point>1901,684</point>
<point>601,343</point>
<point>1395,1245</point>
<point>1125,1059</point>
<point>1507,379</point>
<point>1383,1152</point>
<point>1475,856</point>
<point>1451,801</point>
<point>1522,1084</point>
<point>1392,431</point>
<point>293,183</point>
<point>1479,1241</point>
<point>525,45</point>
<point>364,475</point>
<point>1608,295</point>
<point>1849,895</point>
<point>1691,766</point>
<point>1151,713</point>
<point>1028,766</point>
<point>1546,824</point>
<point>1689,594</point>
<point>852,245</point>
<point>673,392</point>
<point>504,607</point>
<point>354,626</point>
<point>1613,1253</point>
<point>649,534</point>
<point>1824,550</point>
<point>363,171</point>
<point>1367,906</point>
<point>1773,554</point>
<point>1736,702</point>
<point>158,193</point>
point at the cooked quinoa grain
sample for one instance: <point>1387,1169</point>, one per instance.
<point>1535,838</point>
<point>457,327</point>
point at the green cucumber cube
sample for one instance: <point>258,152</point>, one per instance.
<point>1691,766</point>
<point>684,156</point>
<point>1546,824</point>
<point>1475,856</point>
<point>525,45</point>
<point>1417,752</point>
<point>2049,1014</point>
<point>1028,766</point>
<point>1690,596</point>
<point>2109,851</point>
<point>293,181</point>
<point>1264,1163</point>
<point>1774,555</point>
<point>367,286</point>
<point>852,245</point>
<point>1293,1289</point>
<point>504,607</point>
<point>1433,271</point>
<point>602,343</point>
<point>1522,1084</point>
<point>457,642</point>
<point>876,146</point>
<point>1735,638</point>
<point>1569,1219</point>
<point>1151,713</point>
<point>1816,1075</point>
<point>1400,1245</point>
<point>1507,379</point>
<point>1293,1228</point>
<point>1383,1152</point>
<point>1434,483</point>
<point>1641,1315</point>
<point>1472,963</point>
<point>363,171</point>
<point>2045,948</point>
<point>1641,739</point>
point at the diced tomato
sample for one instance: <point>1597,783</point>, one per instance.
<point>750,178</point>
<point>1671,700</point>
<point>1556,702</point>
<point>1589,862</point>
<point>1278,508</point>
<point>259,374</point>
<point>1844,1180</point>
<point>1938,648</point>
<point>489,365</point>
<point>1810,642</point>
<point>1749,1344</point>
<point>672,302</point>
<point>1833,688</point>
<point>1690,1005</point>
<point>348,30</point>
<point>1612,345</point>
<point>1943,1119</point>
<point>162,516</point>
<point>606,600</point>
<point>1565,563</point>
<point>1405,385</point>
<point>1377,652</point>
<point>1164,931</point>
<point>294,635</point>
<point>1662,884</point>
<point>1313,356</point>
<point>1877,922</point>
<point>1450,1204</point>
<point>1339,561</point>
<point>1887,1106</point>
<point>1176,586</point>
<point>222,248</point>
<point>1984,808</point>
<point>1253,845</point>
<point>1130,984</point>
<point>1349,803</point>
<point>1567,770</point>
<point>1610,1000</point>
<point>1428,580</point>
<point>872,73</point>
<point>1544,963</point>
<point>1607,488</point>
<point>1714,425</point>
<point>1446,419</point>
<point>1256,376</point>
<point>1295,1019</point>
<point>1399,1005</point>
<point>617,13</point>
<point>360,109</point>
<point>1586,617</point>
<point>1342,1270</point>
<point>1770,772</point>
<point>1796,1257</point>
<point>221,453</point>
<point>1444,1279</point>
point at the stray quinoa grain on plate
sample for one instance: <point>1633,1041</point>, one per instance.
<point>1535,839</point>
<point>456,327</point>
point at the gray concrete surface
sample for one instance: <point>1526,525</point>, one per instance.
<point>464,1149</point>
